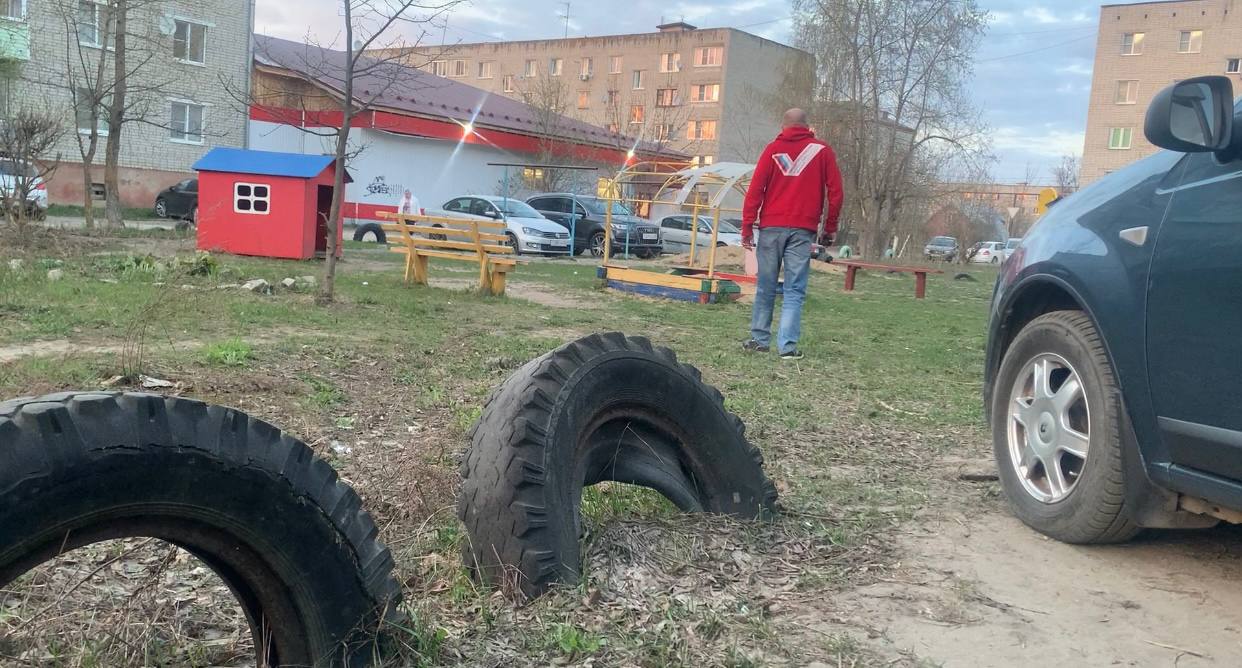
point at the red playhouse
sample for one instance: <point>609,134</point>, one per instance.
<point>264,203</point>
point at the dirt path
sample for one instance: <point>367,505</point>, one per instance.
<point>51,348</point>
<point>987,591</point>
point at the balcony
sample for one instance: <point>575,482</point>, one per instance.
<point>14,40</point>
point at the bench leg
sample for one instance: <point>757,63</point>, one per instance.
<point>420,269</point>
<point>497,284</point>
<point>849,278</point>
<point>920,284</point>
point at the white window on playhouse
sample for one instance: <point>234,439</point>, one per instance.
<point>254,198</point>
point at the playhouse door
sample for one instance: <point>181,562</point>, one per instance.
<point>322,208</point>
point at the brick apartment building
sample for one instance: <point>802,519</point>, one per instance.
<point>194,57</point>
<point>1141,49</point>
<point>715,94</point>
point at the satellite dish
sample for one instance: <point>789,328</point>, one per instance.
<point>168,25</point>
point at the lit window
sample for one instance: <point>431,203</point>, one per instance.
<point>186,122</point>
<point>584,99</point>
<point>532,68</point>
<point>668,97</point>
<point>705,93</point>
<point>708,159</point>
<point>190,42</point>
<point>508,83</point>
<point>1119,138</point>
<point>638,79</point>
<point>555,65</point>
<point>587,68</point>
<point>670,62</point>
<point>251,198</point>
<point>1132,44</point>
<point>637,114</point>
<point>614,66</point>
<point>1191,41</point>
<point>708,56</point>
<point>1233,65</point>
<point>1127,92</point>
<point>701,130</point>
<point>485,69</point>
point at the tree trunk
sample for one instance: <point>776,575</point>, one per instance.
<point>116,118</point>
<point>88,202</point>
<point>327,288</point>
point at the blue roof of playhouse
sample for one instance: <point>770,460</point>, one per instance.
<point>265,163</point>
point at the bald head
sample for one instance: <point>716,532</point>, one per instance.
<point>795,118</point>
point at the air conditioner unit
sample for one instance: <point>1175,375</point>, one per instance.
<point>584,77</point>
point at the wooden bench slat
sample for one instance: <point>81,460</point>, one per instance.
<point>406,217</point>
<point>459,245</point>
<point>401,230</point>
<point>464,257</point>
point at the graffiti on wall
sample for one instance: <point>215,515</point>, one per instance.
<point>380,187</point>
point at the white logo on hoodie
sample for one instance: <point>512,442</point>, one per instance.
<point>791,167</point>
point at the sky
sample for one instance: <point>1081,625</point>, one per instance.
<point>1032,69</point>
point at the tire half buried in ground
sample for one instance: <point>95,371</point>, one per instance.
<point>291,541</point>
<point>606,407</point>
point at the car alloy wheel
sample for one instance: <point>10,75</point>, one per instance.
<point>513,243</point>
<point>597,244</point>
<point>161,208</point>
<point>1049,428</point>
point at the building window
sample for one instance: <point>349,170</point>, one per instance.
<point>555,65</point>
<point>614,65</point>
<point>612,97</point>
<point>670,62</point>
<point>664,132</point>
<point>701,130</point>
<point>1233,65</point>
<point>457,69</point>
<point>485,69</point>
<point>668,97</point>
<point>252,198</point>
<point>584,99</point>
<point>190,42</point>
<point>532,69</point>
<point>13,9</point>
<point>705,159</point>
<point>638,79</point>
<point>1132,44</point>
<point>94,23</point>
<point>705,93</point>
<point>82,113</point>
<point>612,127</point>
<point>637,114</point>
<point>708,56</point>
<point>1191,41</point>
<point>1119,138</point>
<point>439,68</point>
<point>586,68</point>
<point>1127,92</point>
<point>508,83</point>
<point>186,122</point>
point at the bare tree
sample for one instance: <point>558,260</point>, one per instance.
<point>891,97</point>
<point>86,77</point>
<point>28,140</point>
<point>548,97</point>
<point>1065,175</point>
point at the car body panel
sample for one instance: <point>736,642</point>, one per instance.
<point>586,218</point>
<point>941,248</point>
<point>534,233</point>
<point>10,182</point>
<point>180,199</point>
<point>675,233</point>
<point>989,252</point>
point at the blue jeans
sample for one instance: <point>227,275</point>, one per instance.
<point>792,247</point>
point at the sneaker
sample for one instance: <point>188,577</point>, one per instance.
<point>753,346</point>
<point>794,354</point>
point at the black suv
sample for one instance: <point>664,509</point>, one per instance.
<point>586,215</point>
<point>1113,378</point>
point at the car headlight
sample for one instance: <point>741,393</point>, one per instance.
<point>619,229</point>
<point>530,231</point>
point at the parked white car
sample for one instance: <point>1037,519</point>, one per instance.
<point>989,252</point>
<point>12,174</point>
<point>675,231</point>
<point>527,229</point>
<point>1011,246</point>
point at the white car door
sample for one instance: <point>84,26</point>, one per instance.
<point>674,236</point>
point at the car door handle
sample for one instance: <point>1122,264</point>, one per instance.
<point>1135,235</point>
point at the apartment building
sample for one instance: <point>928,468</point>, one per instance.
<point>188,62</point>
<point>714,94</point>
<point>1142,48</point>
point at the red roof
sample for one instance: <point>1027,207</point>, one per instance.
<point>397,87</point>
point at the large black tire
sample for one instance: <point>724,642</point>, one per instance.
<point>361,232</point>
<point>1095,509</point>
<point>290,539</point>
<point>606,407</point>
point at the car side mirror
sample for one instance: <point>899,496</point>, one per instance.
<point>493,214</point>
<point>1192,116</point>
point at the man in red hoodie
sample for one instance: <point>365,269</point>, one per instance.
<point>795,174</point>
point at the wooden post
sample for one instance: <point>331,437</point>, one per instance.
<point>920,284</point>
<point>607,228</point>
<point>711,258</point>
<point>850,271</point>
<point>694,231</point>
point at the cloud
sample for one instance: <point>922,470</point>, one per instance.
<point>1040,15</point>
<point>1001,18</point>
<point>747,6</point>
<point>1077,69</point>
<point>1047,141</point>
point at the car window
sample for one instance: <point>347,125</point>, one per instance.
<point>1013,243</point>
<point>480,207</point>
<point>943,241</point>
<point>578,210</point>
<point>670,223</point>
<point>516,207</point>
<point>460,205</point>
<point>192,185</point>
<point>15,168</point>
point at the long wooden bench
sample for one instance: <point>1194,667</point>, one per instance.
<point>421,238</point>
<point>920,274</point>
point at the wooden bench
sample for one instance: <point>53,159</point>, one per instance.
<point>421,238</point>
<point>920,274</point>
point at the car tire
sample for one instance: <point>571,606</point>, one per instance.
<point>374,230</point>
<point>1091,508</point>
<point>161,208</point>
<point>995,260</point>
<point>605,407</point>
<point>254,504</point>
<point>438,237</point>
<point>514,243</point>
<point>596,244</point>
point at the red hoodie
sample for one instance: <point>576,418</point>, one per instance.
<point>787,189</point>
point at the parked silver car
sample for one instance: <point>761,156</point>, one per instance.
<point>16,176</point>
<point>676,233</point>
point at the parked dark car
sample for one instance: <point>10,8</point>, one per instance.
<point>1114,357</point>
<point>179,201</point>
<point>628,231</point>
<point>941,248</point>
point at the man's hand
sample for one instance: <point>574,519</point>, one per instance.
<point>748,242</point>
<point>826,239</point>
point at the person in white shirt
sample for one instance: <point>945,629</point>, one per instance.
<point>409,204</point>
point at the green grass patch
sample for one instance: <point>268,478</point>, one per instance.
<point>233,352</point>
